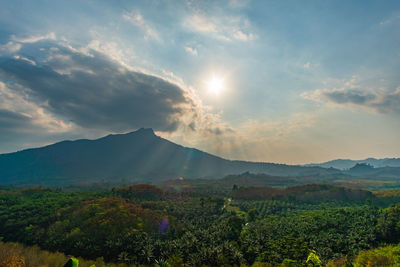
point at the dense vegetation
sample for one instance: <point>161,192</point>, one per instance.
<point>17,255</point>
<point>143,224</point>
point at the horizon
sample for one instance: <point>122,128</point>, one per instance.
<point>142,128</point>
<point>242,80</point>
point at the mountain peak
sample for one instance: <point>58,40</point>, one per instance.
<point>138,156</point>
<point>140,132</point>
<point>149,131</point>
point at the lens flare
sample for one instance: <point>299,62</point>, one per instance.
<point>164,225</point>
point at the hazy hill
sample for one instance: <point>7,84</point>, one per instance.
<point>344,164</point>
<point>139,156</point>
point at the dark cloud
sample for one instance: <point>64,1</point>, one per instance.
<point>96,92</point>
<point>382,101</point>
<point>12,122</point>
<point>354,96</point>
<point>15,127</point>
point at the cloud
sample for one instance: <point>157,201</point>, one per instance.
<point>18,102</point>
<point>390,20</point>
<point>276,141</point>
<point>202,24</point>
<point>10,47</point>
<point>238,3</point>
<point>380,101</point>
<point>15,127</point>
<point>239,35</point>
<point>223,28</point>
<point>34,38</point>
<point>307,65</point>
<point>23,123</point>
<point>191,50</point>
<point>12,122</point>
<point>50,90</point>
<point>96,92</point>
<point>69,91</point>
<point>136,19</point>
<point>26,59</point>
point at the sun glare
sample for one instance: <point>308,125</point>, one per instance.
<point>215,85</point>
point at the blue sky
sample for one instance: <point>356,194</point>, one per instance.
<point>298,81</point>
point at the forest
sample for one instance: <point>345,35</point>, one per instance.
<point>244,226</point>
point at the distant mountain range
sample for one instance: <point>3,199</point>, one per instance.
<point>139,156</point>
<point>143,157</point>
<point>345,164</point>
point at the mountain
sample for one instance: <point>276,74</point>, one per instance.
<point>344,164</point>
<point>139,156</point>
<point>361,169</point>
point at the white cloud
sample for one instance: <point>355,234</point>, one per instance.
<point>34,38</point>
<point>136,19</point>
<point>352,95</point>
<point>191,50</point>
<point>10,47</point>
<point>18,102</point>
<point>202,24</point>
<point>223,28</point>
<point>239,35</point>
<point>26,59</point>
<point>111,49</point>
<point>390,20</point>
<point>307,65</point>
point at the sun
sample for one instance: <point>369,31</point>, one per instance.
<point>215,85</point>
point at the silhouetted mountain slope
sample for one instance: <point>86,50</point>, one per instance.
<point>122,158</point>
<point>343,164</point>
<point>375,173</point>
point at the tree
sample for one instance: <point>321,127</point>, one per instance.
<point>313,259</point>
<point>72,262</point>
<point>252,215</point>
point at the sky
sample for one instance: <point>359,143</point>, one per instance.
<point>275,81</point>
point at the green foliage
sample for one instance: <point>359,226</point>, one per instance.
<point>313,259</point>
<point>289,263</point>
<point>142,225</point>
<point>252,215</point>
<point>332,233</point>
<point>389,224</point>
<point>261,264</point>
<point>32,256</point>
<point>72,262</point>
<point>384,256</point>
<point>139,191</point>
<point>175,261</point>
<point>312,193</point>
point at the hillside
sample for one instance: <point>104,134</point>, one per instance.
<point>344,164</point>
<point>139,156</point>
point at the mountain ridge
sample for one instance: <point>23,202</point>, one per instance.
<point>345,164</point>
<point>139,156</point>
